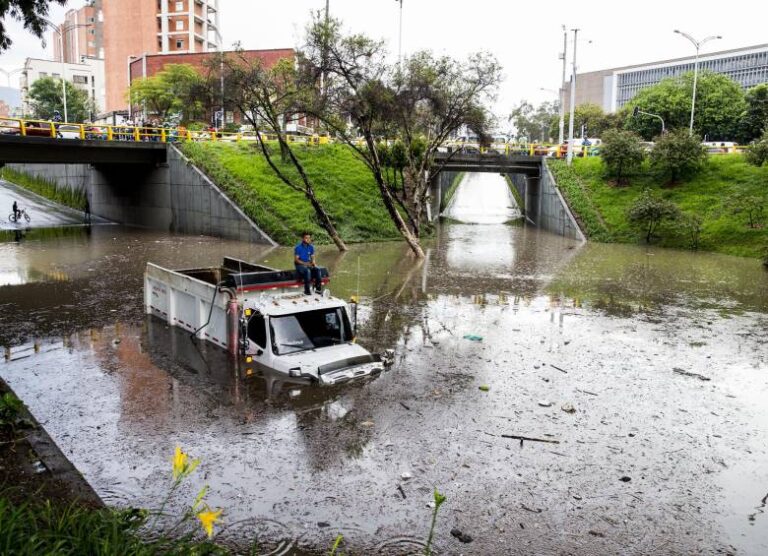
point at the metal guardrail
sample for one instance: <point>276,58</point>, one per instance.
<point>68,130</point>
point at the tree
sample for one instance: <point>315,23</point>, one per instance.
<point>751,206</point>
<point>720,106</point>
<point>535,123</point>
<point>757,154</point>
<point>649,212</point>
<point>45,95</point>
<point>422,101</point>
<point>621,153</point>
<point>268,97</point>
<point>175,89</point>
<point>755,121</point>
<point>677,155</point>
<point>591,118</point>
<point>691,226</point>
<point>31,12</point>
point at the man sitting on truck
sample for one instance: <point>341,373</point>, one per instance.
<point>304,259</point>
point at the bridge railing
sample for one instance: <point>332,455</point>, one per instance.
<point>69,130</point>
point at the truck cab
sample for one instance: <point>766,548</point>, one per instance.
<point>304,337</point>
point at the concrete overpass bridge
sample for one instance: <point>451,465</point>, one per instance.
<point>148,184</point>
<point>543,204</point>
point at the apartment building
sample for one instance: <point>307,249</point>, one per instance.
<point>135,28</point>
<point>79,35</point>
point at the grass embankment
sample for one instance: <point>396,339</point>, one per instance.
<point>602,207</point>
<point>74,198</point>
<point>343,184</point>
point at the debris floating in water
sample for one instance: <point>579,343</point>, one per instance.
<point>473,338</point>
<point>484,387</point>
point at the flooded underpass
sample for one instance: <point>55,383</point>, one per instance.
<point>639,374</point>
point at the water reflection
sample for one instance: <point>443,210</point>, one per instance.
<point>482,198</point>
<point>559,325</point>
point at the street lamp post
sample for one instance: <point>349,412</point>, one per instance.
<point>697,45</point>
<point>60,33</point>
<point>561,89</point>
<point>573,99</point>
<point>131,58</point>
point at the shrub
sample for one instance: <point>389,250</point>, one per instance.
<point>758,151</point>
<point>677,156</point>
<point>750,206</point>
<point>622,154</point>
<point>691,226</point>
<point>648,212</point>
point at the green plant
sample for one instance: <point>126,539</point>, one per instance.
<point>439,499</point>
<point>74,198</point>
<point>10,409</point>
<point>580,201</point>
<point>691,225</point>
<point>720,107</point>
<point>755,118</point>
<point>46,97</point>
<point>649,212</point>
<point>757,154</point>
<point>677,155</point>
<point>622,154</point>
<point>751,206</point>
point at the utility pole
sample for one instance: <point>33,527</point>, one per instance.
<point>561,96</point>
<point>400,36</point>
<point>573,99</point>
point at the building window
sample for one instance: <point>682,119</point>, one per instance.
<point>80,79</point>
<point>179,25</point>
<point>43,74</point>
<point>179,6</point>
<point>179,44</point>
<point>55,75</point>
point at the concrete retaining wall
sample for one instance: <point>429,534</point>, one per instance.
<point>545,206</point>
<point>176,196</point>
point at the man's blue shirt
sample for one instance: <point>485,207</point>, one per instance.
<point>304,252</point>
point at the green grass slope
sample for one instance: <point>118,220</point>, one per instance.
<point>342,182</point>
<point>602,207</point>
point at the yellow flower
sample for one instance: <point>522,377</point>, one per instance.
<point>208,518</point>
<point>179,462</point>
<point>181,467</point>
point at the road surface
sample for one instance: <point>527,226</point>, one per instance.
<point>43,213</point>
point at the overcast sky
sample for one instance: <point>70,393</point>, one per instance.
<point>525,36</point>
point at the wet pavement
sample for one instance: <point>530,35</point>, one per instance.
<point>645,370</point>
<point>42,212</point>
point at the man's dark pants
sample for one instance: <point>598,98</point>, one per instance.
<point>308,274</point>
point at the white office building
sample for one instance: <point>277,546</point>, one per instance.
<point>88,75</point>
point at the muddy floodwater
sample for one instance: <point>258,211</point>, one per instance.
<point>644,370</point>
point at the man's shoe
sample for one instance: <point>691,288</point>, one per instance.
<point>307,292</point>
<point>318,290</point>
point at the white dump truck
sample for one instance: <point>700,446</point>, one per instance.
<point>262,315</point>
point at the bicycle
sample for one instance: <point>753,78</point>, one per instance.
<point>16,217</point>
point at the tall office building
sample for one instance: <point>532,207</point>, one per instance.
<point>613,88</point>
<point>133,28</point>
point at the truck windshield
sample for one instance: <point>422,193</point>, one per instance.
<point>309,330</point>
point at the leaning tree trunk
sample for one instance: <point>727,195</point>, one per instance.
<point>397,218</point>
<point>325,221</point>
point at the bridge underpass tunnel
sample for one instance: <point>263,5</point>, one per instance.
<point>482,198</point>
<point>480,233</point>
